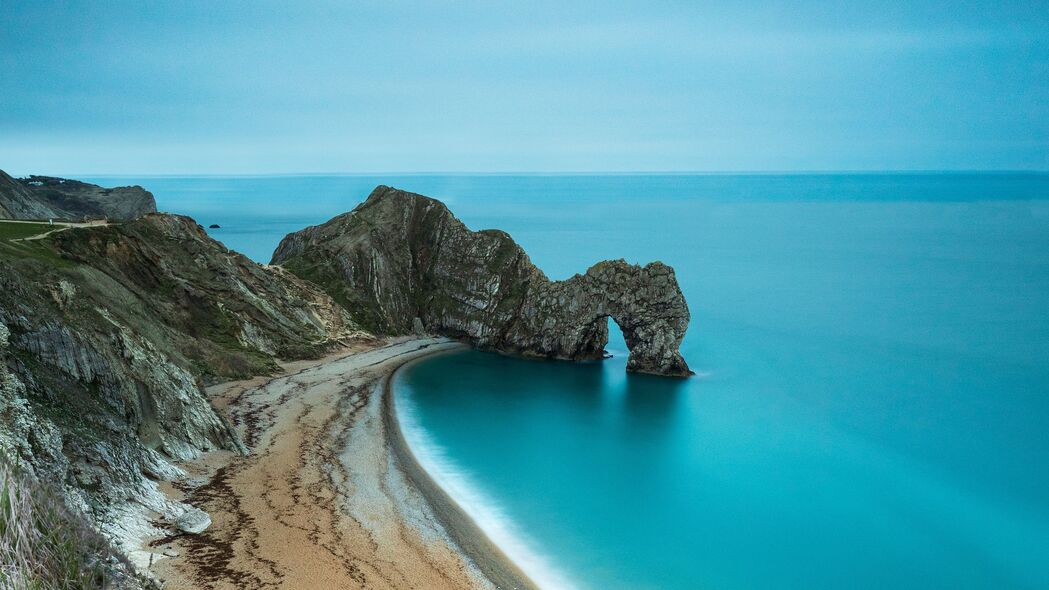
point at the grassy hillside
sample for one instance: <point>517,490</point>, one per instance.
<point>10,230</point>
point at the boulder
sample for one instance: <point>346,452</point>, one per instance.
<point>193,521</point>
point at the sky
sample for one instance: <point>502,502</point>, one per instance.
<point>539,86</point>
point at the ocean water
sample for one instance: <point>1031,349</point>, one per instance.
<point>871,404</point>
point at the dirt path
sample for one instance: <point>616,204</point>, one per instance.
<point>58,227</point>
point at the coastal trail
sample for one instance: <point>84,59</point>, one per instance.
<point>323,499</point>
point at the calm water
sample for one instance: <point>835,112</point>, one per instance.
<point>871,408</point>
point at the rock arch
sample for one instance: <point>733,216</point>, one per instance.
<point>568,319</point>
<point>400,256</point>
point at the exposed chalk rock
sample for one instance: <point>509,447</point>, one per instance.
<point>193,521</point>
<point>108,335</point>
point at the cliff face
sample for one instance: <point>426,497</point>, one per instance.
<point>17,202</point>
<point>107,337</point>
<point>45,197</point>
<point>400,256</point>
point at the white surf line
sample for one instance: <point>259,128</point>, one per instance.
<point>460,486</point>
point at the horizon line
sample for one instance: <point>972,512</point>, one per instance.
<point>771,172</point>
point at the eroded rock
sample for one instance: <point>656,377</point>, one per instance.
<point>401,257</point>
<point>109,334</point>
<point>47,197</point>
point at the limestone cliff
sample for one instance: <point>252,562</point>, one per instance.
<point>108,335</point>
<point>400,256</point>
<point>45,197</point>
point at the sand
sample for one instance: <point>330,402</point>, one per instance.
<point>329,495</point>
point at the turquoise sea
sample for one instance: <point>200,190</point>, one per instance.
<point>871,404</point>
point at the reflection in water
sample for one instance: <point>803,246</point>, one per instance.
<point>651,402</point>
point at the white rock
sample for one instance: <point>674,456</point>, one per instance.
<point>193,521</point>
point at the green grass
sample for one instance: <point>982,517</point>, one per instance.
<point>38,250</point>
<point>17,231</point>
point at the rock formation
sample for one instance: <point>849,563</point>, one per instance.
<point>108,335</point>
<point>45,197</point>
<point>17,202</point>
<point>401,256</point>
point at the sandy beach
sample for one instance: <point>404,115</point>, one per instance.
<point>329,495</point>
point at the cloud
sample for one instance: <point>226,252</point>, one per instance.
<point>542,86</point>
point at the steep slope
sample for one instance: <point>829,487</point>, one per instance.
<point>17,202</point>
<point>400,258</point>
<point>45,197</point>
<point>107,336</point>
<point>45,545</point>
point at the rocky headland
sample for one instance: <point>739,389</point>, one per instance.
<point>402,263</point>
<point>46,197</point>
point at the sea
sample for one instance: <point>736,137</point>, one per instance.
<point>871,401</point>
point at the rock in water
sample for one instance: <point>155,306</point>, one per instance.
<point>193,521</point>
<point>400,256</point>
<point>214,226</point>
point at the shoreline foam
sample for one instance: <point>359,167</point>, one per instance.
<point>466,526</point>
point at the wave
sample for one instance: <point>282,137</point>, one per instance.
<point>486,513</point>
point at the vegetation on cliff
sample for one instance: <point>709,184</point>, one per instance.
<point>44,546</point>
<point>108,335</point>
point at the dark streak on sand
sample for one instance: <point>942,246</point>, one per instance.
<point>296,512</point>
<point>213,551</point>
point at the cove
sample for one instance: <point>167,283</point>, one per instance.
<point>613,480</point>
<point>871,394</point>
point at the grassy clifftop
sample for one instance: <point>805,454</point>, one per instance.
<point>46,197</point>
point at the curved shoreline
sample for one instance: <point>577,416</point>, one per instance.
<point>493,563</point>
<point>329,496</point>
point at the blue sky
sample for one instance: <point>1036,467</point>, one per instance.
<point>261,87</point>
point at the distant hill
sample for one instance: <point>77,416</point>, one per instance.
<point>46,197</point>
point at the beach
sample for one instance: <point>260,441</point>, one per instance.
<point>329,495</point>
